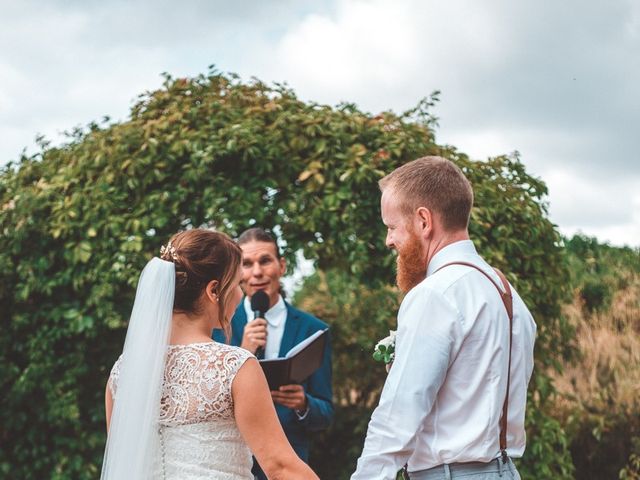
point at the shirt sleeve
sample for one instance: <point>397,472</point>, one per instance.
<point>302,414</point>
<point>429,335</point>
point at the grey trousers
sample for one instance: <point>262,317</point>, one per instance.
<point>469,471</point>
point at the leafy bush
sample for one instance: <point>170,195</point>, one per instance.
<point>595,295</point>
<point>598,270</point>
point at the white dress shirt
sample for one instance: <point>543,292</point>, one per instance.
<point>443,397</point>
<point>276,318</point>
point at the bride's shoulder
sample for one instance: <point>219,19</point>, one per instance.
<point>230,358</point>
<point>231,351</point>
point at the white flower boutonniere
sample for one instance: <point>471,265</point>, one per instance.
<point>385,349</point>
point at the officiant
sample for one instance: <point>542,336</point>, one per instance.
<point>302,409</point>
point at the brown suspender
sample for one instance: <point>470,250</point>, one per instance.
<point>507,299</point>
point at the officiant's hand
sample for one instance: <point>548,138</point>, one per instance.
<point>255,335</point>
<point>290,396</point>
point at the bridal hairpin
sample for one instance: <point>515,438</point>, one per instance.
<point>168,251</point>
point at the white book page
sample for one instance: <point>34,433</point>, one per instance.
<point>301,346</point>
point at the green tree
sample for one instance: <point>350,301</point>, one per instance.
<point>79,221</point>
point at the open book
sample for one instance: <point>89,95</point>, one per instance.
<point>299,362</point>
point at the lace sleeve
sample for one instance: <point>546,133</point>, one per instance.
<point>236,359</point>
<point>233,358</point>
<point>113,377</point>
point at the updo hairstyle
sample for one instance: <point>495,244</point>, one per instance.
<point>201,256</point>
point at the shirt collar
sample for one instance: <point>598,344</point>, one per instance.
<point>453,252</point>
<point>274,315</point>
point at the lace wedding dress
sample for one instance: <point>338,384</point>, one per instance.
<point>199,438</point>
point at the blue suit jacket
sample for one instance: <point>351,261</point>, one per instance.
<point>299,325</point>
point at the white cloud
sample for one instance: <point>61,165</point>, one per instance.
<point>577,201</point>
<point>384,54</point>
<point>331,61</point>
<point>556,81</point>
<point>480,144</point>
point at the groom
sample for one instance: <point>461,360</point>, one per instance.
<point>442,403</point>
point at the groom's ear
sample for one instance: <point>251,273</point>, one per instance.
<point>424,221</point>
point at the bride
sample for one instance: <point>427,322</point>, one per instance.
<point>180,406</point>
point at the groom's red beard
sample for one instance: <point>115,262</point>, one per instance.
<point>411,267</point>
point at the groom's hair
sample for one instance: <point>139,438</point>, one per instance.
<point>435,183</point>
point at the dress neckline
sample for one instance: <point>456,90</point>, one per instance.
<point>179,345</point>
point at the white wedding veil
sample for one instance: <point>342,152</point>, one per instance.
<point>133,441</point>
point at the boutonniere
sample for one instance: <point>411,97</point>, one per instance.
<point>385,349</point>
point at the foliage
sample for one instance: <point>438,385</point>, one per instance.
<point>598,270</point>
<point>79,221</point>
<point>598,402</point>
<point>602,443</point>
<point>632,469</point>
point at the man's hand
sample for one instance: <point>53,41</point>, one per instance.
<point>255,335</point>
<point>291,396</point>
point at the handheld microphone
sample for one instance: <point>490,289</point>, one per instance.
<point>259,305</point>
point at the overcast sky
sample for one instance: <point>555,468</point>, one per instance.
<point>557,81</point>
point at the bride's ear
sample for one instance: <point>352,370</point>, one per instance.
<point>211,291</point>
